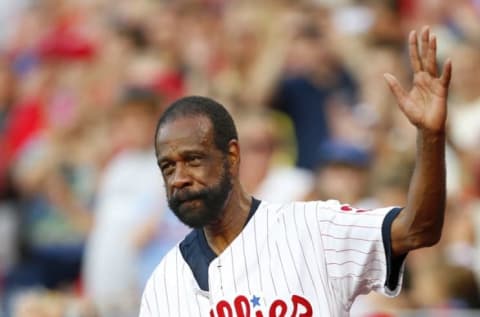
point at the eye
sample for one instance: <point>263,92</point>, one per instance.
<point>194,160</point>
<point>167,168</point>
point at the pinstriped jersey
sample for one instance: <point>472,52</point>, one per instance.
<point>296,259</point>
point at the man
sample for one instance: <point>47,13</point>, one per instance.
<point>250,258</point>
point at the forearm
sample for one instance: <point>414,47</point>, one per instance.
<point>420,223</point>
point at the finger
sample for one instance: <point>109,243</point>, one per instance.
<point>413,52</point>
<point>431,60</point>
<point>425,36</point>
<point>397,90</point>
<point>446,73</point>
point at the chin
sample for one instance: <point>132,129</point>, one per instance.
<point>194,217</point>
<point>193,221</point>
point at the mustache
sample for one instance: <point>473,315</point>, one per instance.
<point>184,196</point>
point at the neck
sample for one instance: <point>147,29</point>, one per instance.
<point>220,234</point>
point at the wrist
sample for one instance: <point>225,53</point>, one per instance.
<point>432,134</point>
<point>432,140</point>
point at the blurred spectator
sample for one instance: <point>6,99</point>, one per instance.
<point>53,166</point>
<point>465,109</point>
<point>258,172</point>
<point>312,89</point>
<point>342,173</point>
<point>445,286</point>
<point>162,28</point>
<point>255,42</point>
<point>129,206</point>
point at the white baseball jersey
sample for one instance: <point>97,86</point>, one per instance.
<point>296,259</point>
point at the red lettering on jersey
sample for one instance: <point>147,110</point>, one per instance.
<point>242,306</point>
<point>223,306</point>
<point>300,302</point>
<point>278,304</point>
<point>279,308</point>
<point>346,208</point>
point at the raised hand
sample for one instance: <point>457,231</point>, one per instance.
<point>425,105</point>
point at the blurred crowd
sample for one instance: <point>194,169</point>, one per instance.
<point>83,214</point>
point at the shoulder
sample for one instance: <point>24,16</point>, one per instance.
<point>275,212</point>
<point>279,208</point>
<point>155,294</point>
<point>321,208</point>
<point>163,278</point>
<point>163,269</point>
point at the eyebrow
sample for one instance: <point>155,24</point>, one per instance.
<point>185,153</point>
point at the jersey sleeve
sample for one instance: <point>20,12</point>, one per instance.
<point>357,250</point>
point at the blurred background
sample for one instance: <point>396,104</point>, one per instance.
<point>83,215</point>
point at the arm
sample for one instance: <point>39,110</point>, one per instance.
<point>425,105</point>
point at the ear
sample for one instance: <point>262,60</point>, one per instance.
<point>233,157</point>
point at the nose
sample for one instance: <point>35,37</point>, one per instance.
<point>180,178</point>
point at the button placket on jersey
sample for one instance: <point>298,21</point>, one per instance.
<point>215,282</point>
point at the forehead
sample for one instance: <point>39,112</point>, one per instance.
<point>184,133</point>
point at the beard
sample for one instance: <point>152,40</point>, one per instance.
<point>200,208</point>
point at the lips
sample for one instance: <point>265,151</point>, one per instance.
<point>187,199</point>
<point>188,196</point>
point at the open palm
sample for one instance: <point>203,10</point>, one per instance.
<point>425,105</point>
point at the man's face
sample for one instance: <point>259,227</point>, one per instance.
<point>197,176</point>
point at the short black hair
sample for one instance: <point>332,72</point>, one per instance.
<point>224,129</point>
